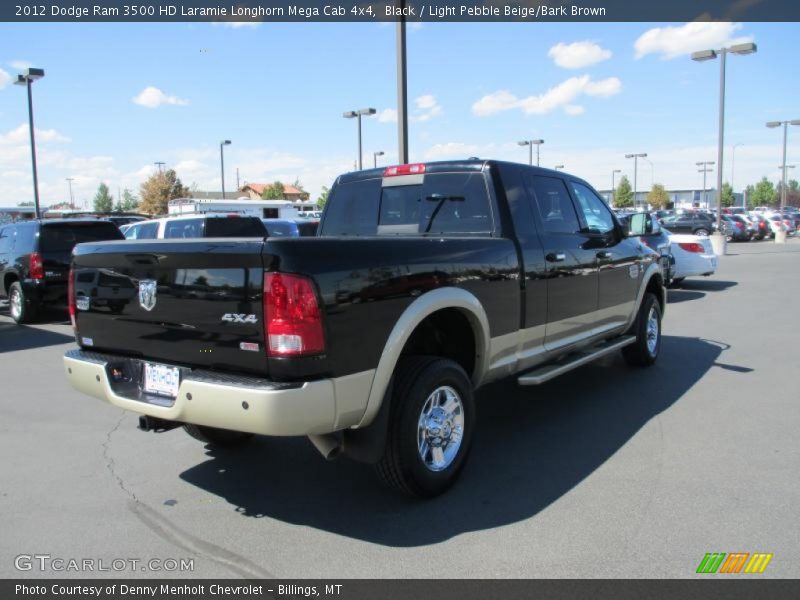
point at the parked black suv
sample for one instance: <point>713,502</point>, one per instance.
<point>698,223</point>
<point>35,256</point>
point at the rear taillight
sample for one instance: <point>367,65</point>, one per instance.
<point>413,169</point>
<point>36,269</point>
<point>740,225</point>
<point>71,298</point>
<point>292,318</point>
<point>691,247</point>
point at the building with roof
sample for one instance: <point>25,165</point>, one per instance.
<point>254,191</point>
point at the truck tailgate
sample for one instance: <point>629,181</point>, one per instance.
<point>191,302</point>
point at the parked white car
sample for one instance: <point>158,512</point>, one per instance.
<point>693,256</point>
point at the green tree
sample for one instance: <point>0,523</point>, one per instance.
<point>763,193</point>
<point>159,189</point>
<point>623,195</point>
<point>276,191</point>
<point>323,197</point>
<point>658,197</point>
<point>103,200</point>
<point>728,199</point>
<point>129,202</point>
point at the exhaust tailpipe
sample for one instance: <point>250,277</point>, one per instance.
<point>148,423</point>
<point>329,445</point>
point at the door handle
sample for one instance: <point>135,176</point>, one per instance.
<point>556,257</point>
<point>604,254</point>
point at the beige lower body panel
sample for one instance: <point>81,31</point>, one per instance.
<point>315,407</point>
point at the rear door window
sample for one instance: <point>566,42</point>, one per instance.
<point>62,237</point>
<point>556,211</point>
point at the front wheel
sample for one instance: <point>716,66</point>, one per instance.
<point>431,426</point>
<point>647,329</point>
<point>224,438</point>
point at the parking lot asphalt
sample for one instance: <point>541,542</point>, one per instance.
<point>605,472</point>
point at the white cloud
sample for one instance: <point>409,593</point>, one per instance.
<point>561,95</point>
<point>20,65</point>
<point>672,42</point>
<point>574,109</point>
<point>152,97</point>
<point>578,54</point>
<point>5,79</point>
<point>427,108</point>
<point>387,115</point>
<point>20,135</point>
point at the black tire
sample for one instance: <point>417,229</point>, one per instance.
<point>22,309</point>
<point>402,467</point>
<point>642,353</point>
<point>224,438</point>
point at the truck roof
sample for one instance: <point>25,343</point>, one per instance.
<point>450,166</point>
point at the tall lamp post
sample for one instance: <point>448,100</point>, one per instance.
<point>27,80</point>
<point>718,239</point>
<point>772,125</point>
<point>636,158</point>
<point>733,172</point>
<point>530,144</point>
<point>222,144</point>
<point>558,167</point>
<point>706,169</point>
<point>613,184</point>
<point>71,197</point>
<point>375,156</point>
<point>706,164</point>
<point>351,114</point>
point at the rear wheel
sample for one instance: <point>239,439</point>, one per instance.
<point>22,309</point>
<point>430,428</point>
<point>224,438</point>
<point>701,232</point>
<point>644,351</point>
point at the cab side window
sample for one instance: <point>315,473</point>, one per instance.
<point>555,207</point>
<point>595,212</point>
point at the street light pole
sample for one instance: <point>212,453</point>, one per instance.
<point>71,197</point>
<point>705,164</point>
<point>773,124</point>
<point>733,171</point>
<point>27,80</point>
<point>402,87</point>
<point>558,167</point>
<point>375,156</point>
<point>222,144</point>
<point>530,144</point>
<point>357,114</point>
<point>159,165</point>
<point>718,241</point>
<point>636,158</point>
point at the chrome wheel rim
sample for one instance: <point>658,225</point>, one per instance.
<point>702,233</point>
<point>15,304</point>
<point>440,429</point>
<point>652,331</point>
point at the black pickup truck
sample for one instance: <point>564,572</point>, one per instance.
<point>425,282</point>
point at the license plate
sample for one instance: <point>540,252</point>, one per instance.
<point>83,302</point>
<point>161,380</point>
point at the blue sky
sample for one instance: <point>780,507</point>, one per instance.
<point>118,97</point>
